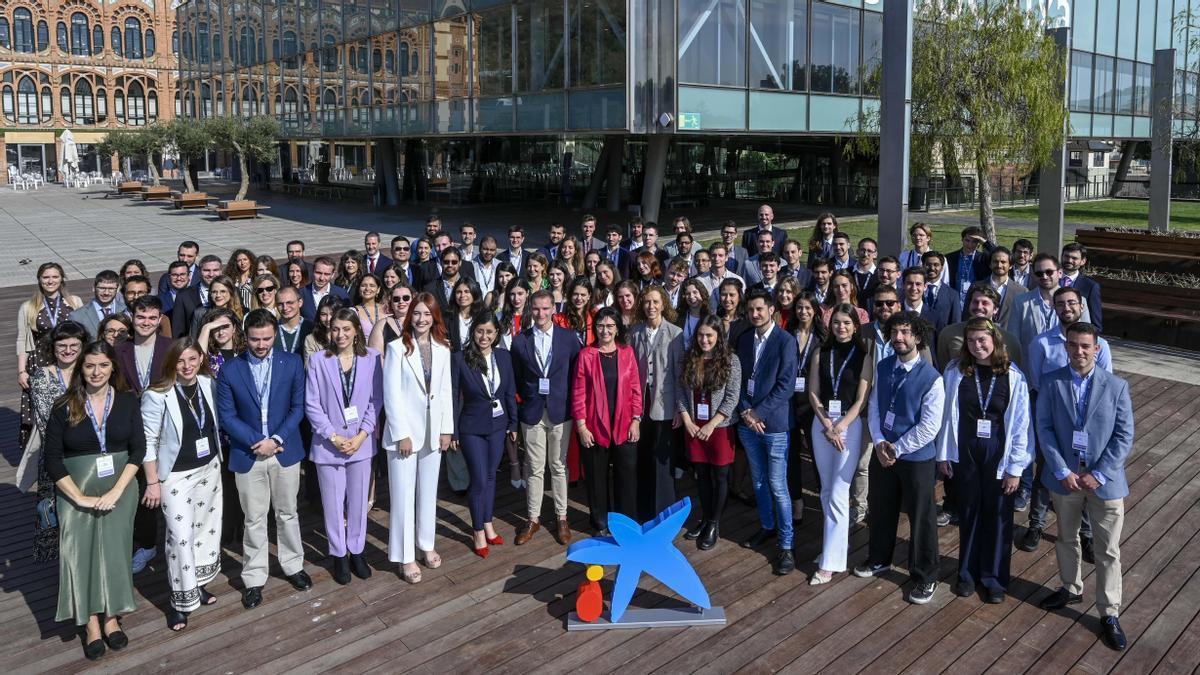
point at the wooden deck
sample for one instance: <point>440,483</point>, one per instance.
<point>507,614</point>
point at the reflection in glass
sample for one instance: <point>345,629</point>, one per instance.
<point>597,43</point>
<point>835,49</point>
<point>778,44</point>
<point>712,42</point>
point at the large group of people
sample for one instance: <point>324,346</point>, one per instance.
<point>220,395</point>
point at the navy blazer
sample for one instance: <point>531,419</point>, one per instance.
<point>506,256</point>
<point>946,308</point>
<point>473,405</point>
<point>564,349</point>
<point>308,309</point>
<point>1090,290</point>
<point>623,263</point>
<point>750,239</point>
<point>382,264</point>
<point>186,303</point>
<point>239,411</point>
<point>981,265</point>
<point>164,281</point>
<point>1109,425</point>
<point>774,378</point>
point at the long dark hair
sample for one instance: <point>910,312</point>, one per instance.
<point>239,337</point>
<point>579,320</point>
<point>476,296</point>
<point>849,277</point>
<point>358,299</point>
<point>320,331</point>
<point>684,310</point>
<point>741,291</point>
<point>707,372</point>
<point>76,395</point>
<point>360,341</point>
<point>231,267</point>
<point>818,329</point>
<point>817,238</point>
<point>509,316</point>
<point>852,312</point>
<point>472,355</point>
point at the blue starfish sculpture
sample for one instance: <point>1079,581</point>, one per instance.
<point>647,548</point>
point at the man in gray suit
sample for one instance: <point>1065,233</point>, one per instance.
<point>107,301</point>
<point>1033,313</point>
<point>1085,427</point>
<point>588,241</point>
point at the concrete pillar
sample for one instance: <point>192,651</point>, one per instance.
<point>1162,102</point>
<point>1127,148</point>
<point>386,184</point>
<point>656,169</point>
<point>1052,187</point>
<point>598,173</point>
<point>616,162</point>
<point>895,116</point>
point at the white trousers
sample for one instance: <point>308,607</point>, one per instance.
<point>837,472</point>
<point>413,482</point>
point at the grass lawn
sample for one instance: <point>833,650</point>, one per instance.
<point>946,237</point>
<point>1185,215</point>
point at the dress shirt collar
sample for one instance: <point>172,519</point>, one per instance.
<point>255,361</point>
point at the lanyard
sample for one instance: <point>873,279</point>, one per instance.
<point>804,355</point>
<point>837,381</point>
<point>263,386</point>
<point>62,384</point>
<point>374,313</point>
<point>198,412</point>
<point>348,378</point>
<point>143,377</point>
<point>898,384</point>
<point>1081,403</point>
<point>544,365</point>
<point>984,402</point>
<point>283,337</point>
<point>100,425</point>
<point>487,279</point>
<point>52,312</point>
<point>491,379</point>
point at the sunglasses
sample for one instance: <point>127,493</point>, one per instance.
<point>267,289</point>
<point>402,298</point>
<point>886,303</point>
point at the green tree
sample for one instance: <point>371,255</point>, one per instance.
<point>986,92</point>
<point>123,143</point>
<point>191,141</point>
<point>153,141</point>
<point>248,138</point>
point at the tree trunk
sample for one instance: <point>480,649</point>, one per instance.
<point>244,186</point>
<point>987,215</point>
<point>186,163</point>
<point>154,177</point>
<point>953,174</point>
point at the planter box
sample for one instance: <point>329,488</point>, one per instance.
<point>129,187</point>
<point>245,208</point>
<point>190,200</point>
<point>1138,251</point>
<point>1165,315</point>
<point>156,192</point>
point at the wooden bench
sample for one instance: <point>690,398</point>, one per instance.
<point>1138,251</point>
<point>1151,313</point>
<point>131,187</point>
<point>152,193</point>
<point>232,210</point>
<point>190,200</point>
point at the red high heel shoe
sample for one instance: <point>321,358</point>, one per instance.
<point>481,552</point>
<point>495,541</point>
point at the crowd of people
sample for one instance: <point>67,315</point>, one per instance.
<point>222,393</point>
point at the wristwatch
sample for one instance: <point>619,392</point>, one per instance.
<point>637,418</point>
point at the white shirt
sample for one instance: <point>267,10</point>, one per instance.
<point>926,429</point>
<point>760,341</point>
<point>260,372</point>
<point>543,344</point>
<point>486,276</point>
<point>318,295</point>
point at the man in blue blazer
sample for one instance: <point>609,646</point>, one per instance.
<point>543,363</point>
<point>1085,427</point>
<point>260,399</point>
<point>1074,258</point>
<point>768,356</point>
<point>322,285</point>
<point>515,254</point>
<point>187,253</point>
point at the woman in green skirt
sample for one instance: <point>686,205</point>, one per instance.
<point>94,446</point>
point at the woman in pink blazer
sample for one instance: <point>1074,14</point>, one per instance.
<point>606,403</point>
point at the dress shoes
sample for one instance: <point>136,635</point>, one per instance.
<point>482,552</point>
<point>564,532</point>
<point>708,536</point>
<point>994,597</point>
<point>252,597</point>
<point>117,640</point>
<point>526,532</point>
<point>1031,540</point>
<point>1112,634</point>
<point>1059,599</point>
<point>786,563</point>
<point>299,581</point>
<point>964,589</point>
<point>694,533</point>
<point>358,565</point>
<point>759,538</point>
<point>341,570</point>
<point>1089,553</point>
<point>93,650</point>
<point>494,541</point>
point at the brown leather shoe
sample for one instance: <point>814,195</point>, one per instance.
<point>564,532</point>
<point>526,532</point>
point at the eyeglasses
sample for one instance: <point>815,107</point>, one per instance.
<point>401,248</point>
<point>110,289</point>
<point>180,275</point>
<point>67,346</point>
<point>116,332</point>
<point>1044,273</point>
<point>402,298</point>
<point>266,289</point>
<point>886,303</point>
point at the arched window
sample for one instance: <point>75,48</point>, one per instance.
<point>216,50</point>
<point>249,102</point>
<point>5,38</point>
<point>362,60</point>
<point>97,40</point>
<point>178,104</point>
<point>116,40</point>
<point>416,61</point>
<point>329,55</point>
<point>80,43</point>
<point>202,42</point>
<point>206,99</point>
<point>119,105</point>
<point>9,114</point>
<point>26,101</point>
<point>149,43</point>
<point>84,113</point>
<point>376,60</point>
<point>403,59</point>
<point>133,38</point>
<point>101,105</point>
<point>389,61</point>
<point>135,103</point>
<point>60,32</point>
<point>64,102</point>
<point>175,42</point>
<point>152,105</point>
<point>246,46</point>
<point>47,104</point>
<point>289,49</point>
<point>43,34</point>
<point>23,32</point>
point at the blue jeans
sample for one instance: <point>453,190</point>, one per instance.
<point>767,455</point>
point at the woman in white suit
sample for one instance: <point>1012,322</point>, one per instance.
<point>420,422</point>
<point>183,474</point>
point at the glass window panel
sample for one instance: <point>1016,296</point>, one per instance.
<point>598,43</point>
<point>541,46</point>
<point>450,60</point>
<point>1162,28</point>
<point>43,35</point>
<point>1106,27</point>
<point>448,8</point>
<point>712,42</point>
<point>22,31</point>
<point>872,73</point>
<point>541,113</point>
<point>413,12</point>
<point>61,35</point>
<point>133,38</point>
<point>1127,29</point>
<point>80,35</point>
<point>64,102</point>
<point>778,44</point>
<point>494,55</point>
<point>597,109</point>
<point>97,40</point>
<point>415,82</point>
<point>149,43</point>
<point>1145,31</point>
<point>5,36</point>
<point>1083,25</point>
<point>1081,81</point>
<point>835,49</point>
<point>1102,93</point>
<point>1125,87</point>
<point>1144,83</point>
<point>714,108</point>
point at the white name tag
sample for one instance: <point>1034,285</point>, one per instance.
<point>1079,440</point>
<point>983,428</point>
<point>350,413</point>
<point>834,409</point>
<point>702,412</point>
<point>544,386</point>
<point>104,466</point>
<point>497,409</point>
<point>750,387</point>
<point>800,385</point>
<point>889,420</point>
<point>202,447</point>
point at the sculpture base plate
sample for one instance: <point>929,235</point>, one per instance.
<point>652,618</point>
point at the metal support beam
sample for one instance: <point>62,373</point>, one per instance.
<point>656,169</point>
<point>895,118</point>
<point>1127,148</point>
<point>593,191</point>
<point>616,162</point>
<point>1052,190</point>
<point>387,183</point>
<point>1162,121</point>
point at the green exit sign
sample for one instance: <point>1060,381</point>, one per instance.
<point>689,121</point>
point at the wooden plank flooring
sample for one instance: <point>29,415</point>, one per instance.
<point>506,614</point>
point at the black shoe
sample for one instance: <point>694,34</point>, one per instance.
<point>299,581</point>
<point>786,562</point>
<point>1059,599</point>
<point>994,597</point>
<point>176,618</point>
<point>761,537</point>
<point>93,650</point>
<point>1089,553</point>
<point>694,532</point>
<point>964,589</point>
<point>1112,634</point>
<point>1031,540</point>
<point>358,564</point>
<point>871,570</point>
<point>921,594</point>
<point>708,538</point>
<point>117,640</point>
<point>341,570</point>
<point>252,597</point>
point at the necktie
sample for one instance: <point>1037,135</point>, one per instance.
<point>929,295</point>
<point>1066,282</point>
<point>373,265</point>
<point>106,310</point>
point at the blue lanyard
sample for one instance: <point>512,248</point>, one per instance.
<point>898,383</point>
<point>100,425</point>
<point>1081,403</point>
<point>491,378</point>
<point>197,411</point>
<point>263,386</point>
<point>62,385</point>
<point>837,381</point>
<point>348,378</point>
<point>52,313</point>
<point>804,356</point>
<point>984,403</point>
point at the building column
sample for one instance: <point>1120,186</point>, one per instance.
<point>385,173</point>
<point>1127,148</point>
<point>616,162</point>
<point>656,168</point>
<point>1053,176</point>
<point>598,174</point>
<point>1162,102</point>
<point>895,115</point>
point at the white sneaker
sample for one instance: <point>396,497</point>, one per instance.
<point>142,557</point>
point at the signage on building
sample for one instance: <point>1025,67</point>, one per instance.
<point>689,121</point>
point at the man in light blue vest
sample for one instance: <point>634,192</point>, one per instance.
<point>904,419</point>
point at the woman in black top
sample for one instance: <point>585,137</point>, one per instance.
<point>809,332</point>
<point>94,446</point>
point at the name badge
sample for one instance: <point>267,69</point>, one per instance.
<point>350,413</point>
<point>702,412</point>
<point>800,385</point>
<point>202,447</point>
<point>544,386</point>
<point>497,409</point>
<point>104,466</point>
<point>889,420</point>
<point>834,409</point>
<point>750,387</point>
<point>1079,440</point>
<point>966,286</point>
<point>983,429</point>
